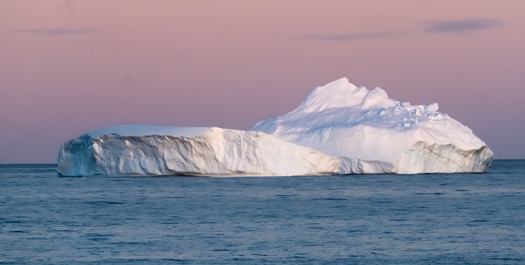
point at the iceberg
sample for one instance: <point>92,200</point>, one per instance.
<point>211,151</point>
<point>387,136</point>
<point>339,129</point>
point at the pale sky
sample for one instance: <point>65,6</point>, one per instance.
<point>67,67</point>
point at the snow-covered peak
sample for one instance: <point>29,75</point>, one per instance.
<point>340,94</point>
<point>377,98</point>
<point>344,120</point>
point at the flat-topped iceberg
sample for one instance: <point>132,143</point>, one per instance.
<point>338,129</point>
<point>156,150</point>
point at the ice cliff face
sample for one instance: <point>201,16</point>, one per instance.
<point>150,150</point>
<point>338,129</point>
<point>343,120</point>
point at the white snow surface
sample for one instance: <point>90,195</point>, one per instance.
<point>338,129</point>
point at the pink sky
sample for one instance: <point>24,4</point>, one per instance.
<point>67,67</point>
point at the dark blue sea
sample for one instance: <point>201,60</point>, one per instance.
<point>357,219</point>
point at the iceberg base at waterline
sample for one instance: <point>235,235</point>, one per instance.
<point>424,158</point>
<point>338,129</point>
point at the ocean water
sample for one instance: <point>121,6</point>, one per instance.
<point>359,219</point>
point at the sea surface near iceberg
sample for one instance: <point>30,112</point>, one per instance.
<point>358,219</point>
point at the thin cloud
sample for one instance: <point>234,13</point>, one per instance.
<point>441,26</point>
<point>352,37</point>
<point>57,32</point>
<point>462,26</point>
